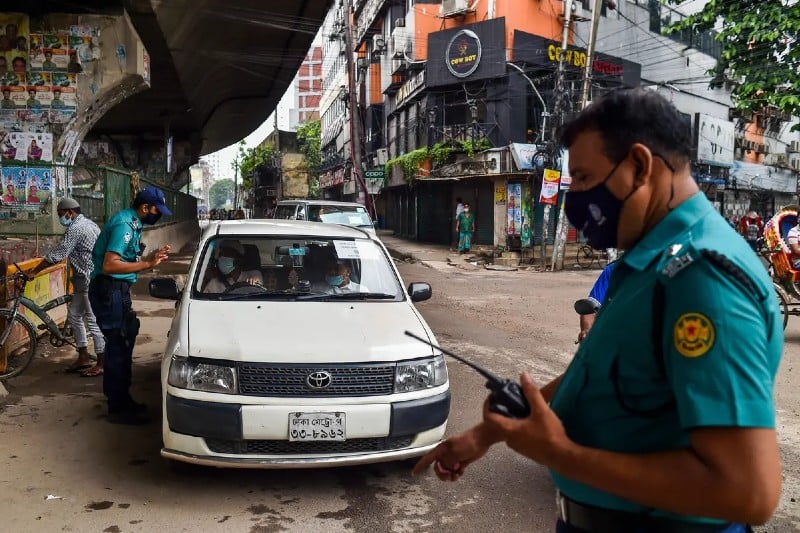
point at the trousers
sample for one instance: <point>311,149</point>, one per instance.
<point>111,302</point>
<point>80,316</point>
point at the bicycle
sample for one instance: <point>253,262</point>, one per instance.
<point>19,336</point>
<point>587,256</point>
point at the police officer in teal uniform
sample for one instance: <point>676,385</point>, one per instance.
<point>664,421</point>
<point>117,259</point>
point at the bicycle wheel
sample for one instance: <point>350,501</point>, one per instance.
<point>783,304</point>
<point>585,256</point>
<point>20,346</point>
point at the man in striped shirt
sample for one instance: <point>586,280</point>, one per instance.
<point>77,244</point>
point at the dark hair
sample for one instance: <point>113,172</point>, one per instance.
<point>138,201</point>
<point>19,58</point>
<point>624,117</point>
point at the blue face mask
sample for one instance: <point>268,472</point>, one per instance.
<point>334,281</point>
<point>226,265</point>
<point>65,221</point>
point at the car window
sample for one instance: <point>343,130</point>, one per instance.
<point>337,214</point>
<point>285,212</point>
<point>281,267</point>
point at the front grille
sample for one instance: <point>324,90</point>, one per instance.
<point>284,447</point>
<point>263,379</point>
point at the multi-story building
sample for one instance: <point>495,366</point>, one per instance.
<point>336,180</point>
<point>741,162</point>
<point>212,163</point>
<point>458,97</point>
<point>308,85</point>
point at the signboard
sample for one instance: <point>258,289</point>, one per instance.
<point>463,53</point>
<point>499,194</point>
<point>523,155</point>
<point>470,52</point>
<point>332,177</point>
<point>410,88</point>
<point>377,173</point>
<point>715,141</point>
<point>550,181</point>
<point>566,179</point>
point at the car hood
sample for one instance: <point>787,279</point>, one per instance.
<point>305,332</point>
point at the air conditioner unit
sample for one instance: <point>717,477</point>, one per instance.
<point>453,7</point>
<point>378,44</point>
<point>381,156</point>
<point>794,146</point>
<point>400,23</point>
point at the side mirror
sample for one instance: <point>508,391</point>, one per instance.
<point>587,306</point>
<point>165,289</point>
<point>419,292</point>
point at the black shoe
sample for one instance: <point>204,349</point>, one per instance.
<point>128,418</point>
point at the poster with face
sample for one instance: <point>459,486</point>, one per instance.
<point>9,193</point>
<point>53,56</point>
<point>14,91</point>
<point>14,42</point>
<point>64,100</point>
<point>40,185</point>
<point>84,45</point>
<point>39,91</point>
<point>37,147</point>
<point>8,149</point>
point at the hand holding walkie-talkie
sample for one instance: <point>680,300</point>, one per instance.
<point>506,396</point>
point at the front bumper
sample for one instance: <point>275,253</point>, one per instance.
<point>256,436</point>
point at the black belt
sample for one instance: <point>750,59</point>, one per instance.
<point>599,520</point>
<point>114,280</point>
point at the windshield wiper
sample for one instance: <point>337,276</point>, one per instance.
<point>278,292</point>
<point>350,296</point>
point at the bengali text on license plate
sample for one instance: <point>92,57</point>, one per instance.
<point>316,426</point>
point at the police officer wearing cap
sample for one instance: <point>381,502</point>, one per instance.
<point>664,421</point>
<point>117,261</point>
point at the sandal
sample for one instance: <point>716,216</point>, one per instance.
<point>93,372</point>
<point>76,368</point>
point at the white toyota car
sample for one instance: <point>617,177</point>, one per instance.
<point>287,349</point>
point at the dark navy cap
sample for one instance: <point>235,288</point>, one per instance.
<point>153,196</point>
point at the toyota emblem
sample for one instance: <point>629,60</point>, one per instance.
<point>319,380</point>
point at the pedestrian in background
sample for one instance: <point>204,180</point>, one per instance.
<point>751,228</point>
<point>664,421</point>
<point>117,263</point>
<point>465,227</point>
<point>80,235</point>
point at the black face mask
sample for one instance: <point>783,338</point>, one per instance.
<point>595,212</point>
<point>150,218</point>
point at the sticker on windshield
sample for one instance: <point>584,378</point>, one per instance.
<point>346,250</point>
<point>297,251</point>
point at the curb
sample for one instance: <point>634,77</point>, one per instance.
<point>397,254</point>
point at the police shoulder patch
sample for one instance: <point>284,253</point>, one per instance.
<point>693,335</point>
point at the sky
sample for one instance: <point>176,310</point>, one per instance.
<point>228,155</point>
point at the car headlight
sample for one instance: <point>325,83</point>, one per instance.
<point>207,377</point>
<point>420,374</point>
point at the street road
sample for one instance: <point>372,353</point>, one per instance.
<point>63,468</point>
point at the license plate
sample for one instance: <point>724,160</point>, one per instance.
<point>305,427</point>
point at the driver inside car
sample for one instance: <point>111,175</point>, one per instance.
<point>229,269</point>
<point>337,279</point>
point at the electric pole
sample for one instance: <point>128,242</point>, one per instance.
<point>356,136</point>
<point>561,231</point>
<point>558,112</point>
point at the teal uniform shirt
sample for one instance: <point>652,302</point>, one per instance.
<point>120,235</point>
<point>722,340</point>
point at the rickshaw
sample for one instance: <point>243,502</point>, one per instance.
<point>785,277</point>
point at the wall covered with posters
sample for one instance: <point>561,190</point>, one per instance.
<point>58,74</point>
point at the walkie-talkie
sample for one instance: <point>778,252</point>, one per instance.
<point>506,398</point>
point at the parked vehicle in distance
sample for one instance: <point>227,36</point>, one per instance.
<point>306,363</point>
<point>349,213</point>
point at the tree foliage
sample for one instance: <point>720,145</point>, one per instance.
<point>220,193</point>
<point>252,158</point>
<point>308,138</point>
<point>760,50</point>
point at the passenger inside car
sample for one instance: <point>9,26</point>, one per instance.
<point>230,268</point>
<point>337,278</point>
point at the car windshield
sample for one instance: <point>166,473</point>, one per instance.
<point>339,214</point>
<point>295,268</point>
